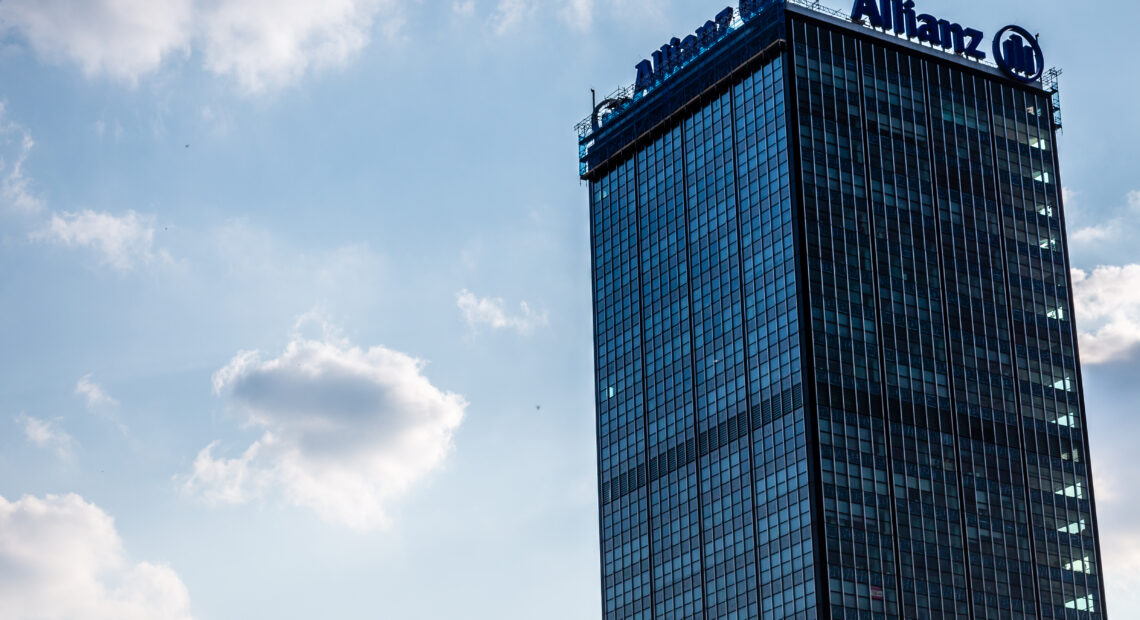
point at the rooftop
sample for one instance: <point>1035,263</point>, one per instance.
<point>614,107</point>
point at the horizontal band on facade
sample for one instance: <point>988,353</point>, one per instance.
<point>685,453</point>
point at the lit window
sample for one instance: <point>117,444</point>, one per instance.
<point>1069,419</point>
<point>1076,527</point>
<point>1080,566</point>
<point>1056,313</point>
<point>1064,384</point>
<point>1039,143</point>
<point>1074,490</point>
<point>1042,176</point>
<point>1085,603</point>
<point>1046,210</point>
<point>1049,243</point>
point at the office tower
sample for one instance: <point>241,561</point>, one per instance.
<point>837,373</point>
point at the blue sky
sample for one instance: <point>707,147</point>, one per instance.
<point>295,310</point>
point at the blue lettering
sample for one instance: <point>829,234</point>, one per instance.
<point>929,30</point>
<point>690,47</point>
<point>677,52</point>
<point>644,76</point>
<point>953,36</point>
<point>911,19</point>
<point>723,21</point>
<point>973,40</point>
<point>899,17</point>
<point>867,8</point>
<point>707,34</point>
<point>749,8</point>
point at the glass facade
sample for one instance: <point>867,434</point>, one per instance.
<point>836,365</point>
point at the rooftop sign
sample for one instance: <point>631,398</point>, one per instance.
<point>1016,52</point>
<point>677,52</point>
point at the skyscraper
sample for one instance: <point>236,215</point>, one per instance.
<point>836,365</point>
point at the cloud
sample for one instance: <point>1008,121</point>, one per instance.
<point>1115,475</point>
<point>510,13</point>
<point>1093,234</point>
<point>490,312</point>
<point>15,187</point>
<point>123,39</point>
<point>1122,569</point>
<point>1123,227</point>
<point>94,393</point>
<point>46,434</point>
<point>463,8</point>
<point>1108,312</point>
<point>260,43</point>
<point>346,430</point>
<point>61,558</point>
<point>579,13</point>
<point>268,43</point>
<point>121,242</point>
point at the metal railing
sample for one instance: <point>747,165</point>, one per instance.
<point>1051,80</point>
<point>818,7</point>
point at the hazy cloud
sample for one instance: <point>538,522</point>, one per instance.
<point>579,13</point>
<point>266,43</point>
<point>346,430</point>
<point>46,434</point>
<point>62,559</point>
<point>491,312</point>
<point>1121,228</point>
<point>121,242</point>
<point>124,39</point>
<point>1122,568</point>
<point>260,43</point>
<point>15,146</point>
<point>93,393</point>
<point>463,8</point>
<point>1107,312</point>
<point>511,13</point>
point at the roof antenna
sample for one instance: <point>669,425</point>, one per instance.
<point>594,108</point>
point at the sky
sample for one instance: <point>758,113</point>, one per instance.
<point>295,299</point>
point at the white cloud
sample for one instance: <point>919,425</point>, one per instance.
<point>47,434</point>
<point>63,559</point>
<point>124,39</point>
<point>346,430</point>
<point>510,13</point>
<point>121,242</point>
<point>15,187</point>
<point>260,43</point>
<point>95,395</point>
<point>579,13</point>
<point>268,43</point>
<point>1093,234</point>
<point>1114,478</point>
<point>1120,228</point>
<point>492,313</point>
<point>1108,312</point>
<point>1122,569</point>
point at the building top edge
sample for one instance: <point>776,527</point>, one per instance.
<point>625,101</point>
